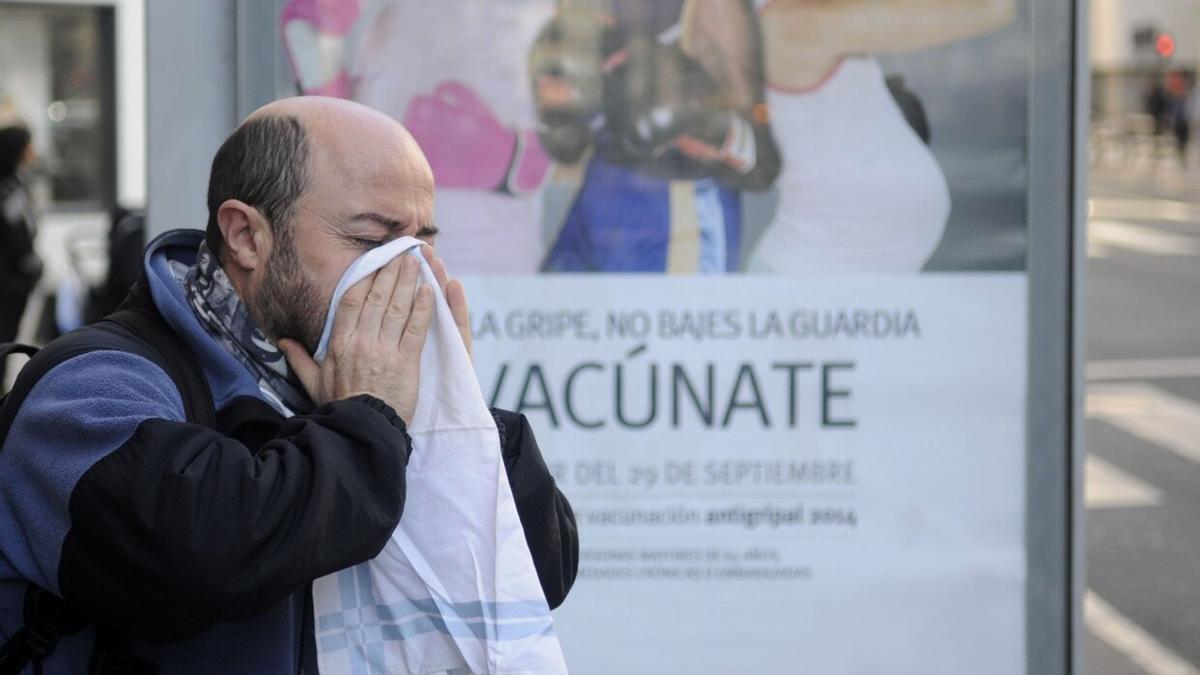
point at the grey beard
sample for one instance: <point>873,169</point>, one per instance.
<point>287,305</point>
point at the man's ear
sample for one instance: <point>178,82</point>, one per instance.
<point>246,232</point>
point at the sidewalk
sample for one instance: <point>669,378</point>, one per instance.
<point>1100,659</point>
<point>1164,178</point>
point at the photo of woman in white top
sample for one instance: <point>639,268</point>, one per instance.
<point>859,192</point>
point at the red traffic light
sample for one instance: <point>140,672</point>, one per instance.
<point>1164,45</point>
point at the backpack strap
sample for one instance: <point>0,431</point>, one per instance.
<point>7,349</point>
<point>47,618</point>
<point>137,328</point>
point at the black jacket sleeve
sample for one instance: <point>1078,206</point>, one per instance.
<point>545,514</point>
<point>183,527</point>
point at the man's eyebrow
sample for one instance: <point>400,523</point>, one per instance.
<point>394,225</point>
<point>389,223</point>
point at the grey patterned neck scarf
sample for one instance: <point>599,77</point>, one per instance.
<point>226,319</point>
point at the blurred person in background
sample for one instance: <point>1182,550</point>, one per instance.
<point>20,267</point>
<point>1192,109</point>
<point>1155,103</point>
<point>1178,112</point>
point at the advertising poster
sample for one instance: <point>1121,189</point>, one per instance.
<point>755,271</point>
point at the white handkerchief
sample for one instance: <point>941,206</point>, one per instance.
<point>455,588</point>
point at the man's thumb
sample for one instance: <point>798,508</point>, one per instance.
<point>302,364</point>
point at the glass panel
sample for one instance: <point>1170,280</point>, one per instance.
<point>55,76</point>
<point>755,271</point>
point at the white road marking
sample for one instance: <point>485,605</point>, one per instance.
<point>1142,369</point>
<point>1107,487</point>
<point>1142,238</point>
<point>1149,413</point>
<point>1127,637</point>
<point>1145,209</point>
<point>1097,250</point>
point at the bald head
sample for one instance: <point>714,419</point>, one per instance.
<point>323,111</point>
<point>292,145</point>
<point>345,129</point>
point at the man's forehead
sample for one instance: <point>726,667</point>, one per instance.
<point>379,158</point>
<point>382,165</point>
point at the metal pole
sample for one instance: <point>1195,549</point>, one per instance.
<point>1054,462</point>
<point>192,102</point>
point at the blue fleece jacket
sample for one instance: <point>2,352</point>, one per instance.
<point>104,433</point>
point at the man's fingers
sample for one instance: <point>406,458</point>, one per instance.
<point>436,264</point>
<point>439,273</point>
<point>418,323</point>
<point>378,297</point>
<point>400,304</point>
<point>456,297</point>
<point>349,307</point>
<point>303,365</point>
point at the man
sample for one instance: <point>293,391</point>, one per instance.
<point>196,546</point>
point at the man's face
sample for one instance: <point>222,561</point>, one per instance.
<point>365,189</point>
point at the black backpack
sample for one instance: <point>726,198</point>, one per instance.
<point>135,327</point>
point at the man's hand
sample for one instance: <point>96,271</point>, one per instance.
<point>375,348</point>
<point>456,296</point>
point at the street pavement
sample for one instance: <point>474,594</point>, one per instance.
<point>1143,422</point>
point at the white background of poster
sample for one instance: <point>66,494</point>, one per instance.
<point>929,578</point>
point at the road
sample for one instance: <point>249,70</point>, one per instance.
<point>1143,426</point>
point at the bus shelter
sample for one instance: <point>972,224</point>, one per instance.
<point>790,292</point>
